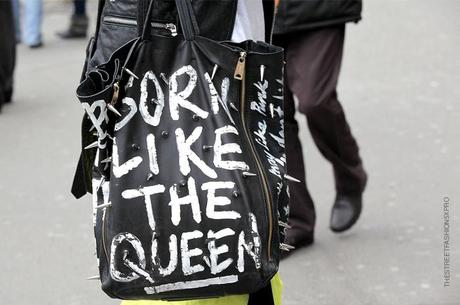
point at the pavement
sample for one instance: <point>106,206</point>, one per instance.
<point>400,90</point>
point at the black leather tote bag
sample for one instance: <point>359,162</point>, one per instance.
<point>190,191</point>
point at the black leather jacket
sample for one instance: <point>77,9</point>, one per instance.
<point>119,20</point>
<point>299,15</point>
<point>118,23</point>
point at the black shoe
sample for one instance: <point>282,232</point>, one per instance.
<point>345,212</point>
<point>77,29</point>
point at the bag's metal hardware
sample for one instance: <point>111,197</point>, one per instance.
<point>248,174</point>
<point>240,69</point>
<point>100,183</point>
<point>195,118</point>
<point>214,71</point>
<point>236,194</point>
<point>107,160</point>
<point>155,101</point>
<point>262,72</point>
<point>92,145</point>
<point>240,74</point>
<point>131,73</point>
<point>164,134</point>
<point>113,109</point>
<point>233,107</point>
<point>164,78</point>
<point>272,110</point>
<point>286,247</point>
<point>207,147</point>
<point>183,183</point>
<point>92,128</point>
<point>125,254</point>
<point>290,178</point>
<point>135,147</point>
<point>172,28</point>
<point>91,278</point>
<point>103,206</point>
<point>116,92</point>
<point>284,225</point>
<point>149,176</point>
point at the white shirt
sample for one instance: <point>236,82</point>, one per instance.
<point>249,22</point>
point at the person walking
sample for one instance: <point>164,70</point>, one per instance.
<point>33,15</point>
<point>78,27</point>
<point>7,51</point>
<point>312,33</point>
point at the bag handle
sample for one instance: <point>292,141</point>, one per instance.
<point>187,19</point>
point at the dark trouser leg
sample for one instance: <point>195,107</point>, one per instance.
<point>80,7</point>
<point>302,214</point>
<point>78,22</point>
<point>314,59</point>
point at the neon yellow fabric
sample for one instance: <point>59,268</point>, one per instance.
<point>277,287</point>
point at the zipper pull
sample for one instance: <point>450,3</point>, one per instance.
<point>172,28</point>
<point>116,92</point>
<point>240,69</point>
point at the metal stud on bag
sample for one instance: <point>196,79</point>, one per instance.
<point>103,206</point>
<point>284,225</point>
<point>107,160</point>
<point>286,247</point>
<point>290,178</point>
<point>92,145</point>
<point>214,71</point>
<point>248,174</point>
<point>233,107</point>
<point>207,147</point>
<point>113,109</point>
<point>131,73</point>
<point>262,72</point>
<point>272,110</point>
<point>100,184</point>
<point>92,278</point>
<point>164,78</point>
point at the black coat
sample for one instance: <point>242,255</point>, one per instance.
<point>299,15</point>
<point>7,51</point>
<point>119,21</point>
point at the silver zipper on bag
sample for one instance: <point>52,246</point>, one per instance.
<point>168,26</point>
<point>171,27</point>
